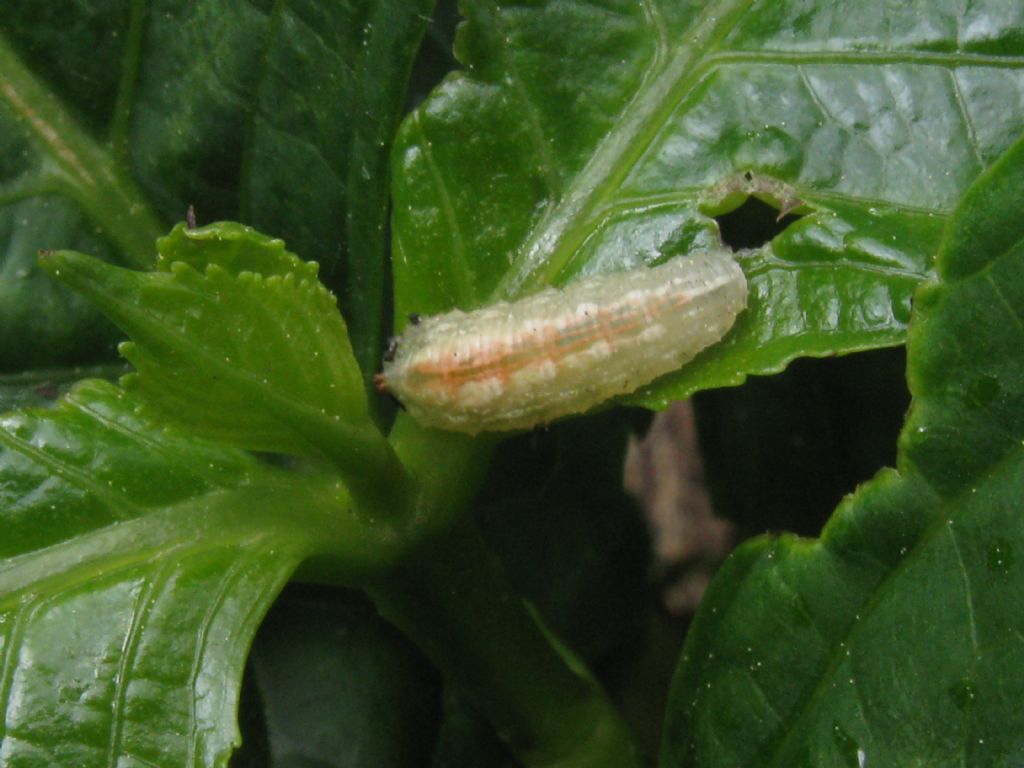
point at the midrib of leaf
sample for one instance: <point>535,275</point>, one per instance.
<point>553,240</point>
<point>882,591</point>
<point>193,526</point>
<point>285,408</point>
<point>885,587</point>
<point>84,170</point>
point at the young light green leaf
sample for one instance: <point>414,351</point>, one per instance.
<point>135,566</point>
<point>234,338</point>
<point>894,640</point>
<point>612,132</point>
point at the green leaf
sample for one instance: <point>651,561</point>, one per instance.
<point>465,738</point>
<point>895,638</point>
<point>316,162</point>
<point>578,551</point>
<point>280,114</point>
<point>451,596</point>
<point>235,339</point>
<point>58,186</point>
<point>136,566</point>
<point>611,133</point>
<point>340,687</point>
<point>40,388</point>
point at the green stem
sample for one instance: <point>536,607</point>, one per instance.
<point>83,168</point>
<point>380,487</point>
<point>454,600</point>
<point>451,596</point>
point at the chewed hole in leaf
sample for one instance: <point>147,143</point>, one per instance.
<point>753,224</point>
<point>837,418</point>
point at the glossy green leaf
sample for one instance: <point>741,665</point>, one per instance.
<point>40,388</point>
<point>236,339</point>
<point>116,116</point>
<point>451,596</point>
<point>135,566</point>
<point>895,639</point>
<point>578,551</point>
<point>58,186</point>
<point>185,322</point>
<point>316,162</point>
<point>589,137</point>
<point>340,687</point>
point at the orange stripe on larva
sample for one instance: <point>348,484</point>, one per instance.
<point>558,352</point>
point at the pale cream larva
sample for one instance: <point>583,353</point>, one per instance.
<point>516,365</point>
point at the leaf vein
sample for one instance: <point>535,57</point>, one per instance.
<point>203,358</point>
<point>68,474</point>
<point>654,19</point>
<point>812,91</point>
<point>968,596</point>
<point>972,136</point>
<point>535,127</point>
<point>463,274</point>
<point>558,233</point>
<point>15,637</point>
<point>1012,311</point>
<point>128,650</point>
<point>885,585</point>
<point>253,114</point>
<point>763,697</point>
<point>845,58</point>
<point>131,62</point>
<point>235,570</point>
<point>146,440</point>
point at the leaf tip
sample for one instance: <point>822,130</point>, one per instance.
<point>56,262</point>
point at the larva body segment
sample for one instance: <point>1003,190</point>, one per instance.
<point>516,365</point>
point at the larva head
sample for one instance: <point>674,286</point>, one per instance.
<point>432,368</point>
